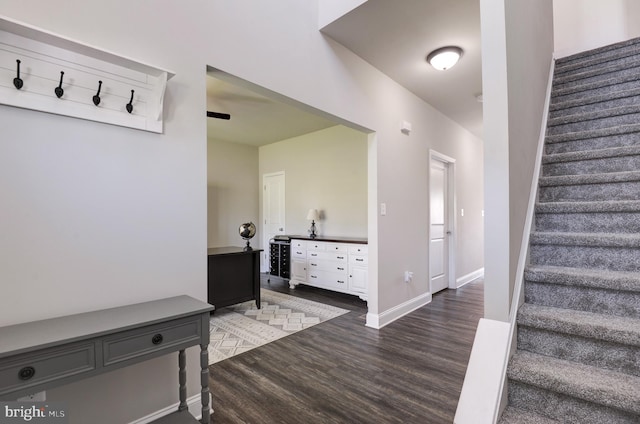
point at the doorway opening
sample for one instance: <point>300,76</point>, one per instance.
<point>270,138</point>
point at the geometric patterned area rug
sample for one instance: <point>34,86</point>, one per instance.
<point>239,328</point>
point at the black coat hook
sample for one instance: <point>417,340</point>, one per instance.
<point>96,98</point>
<point>130,105</point>
<point>59,91</point>
<point>17,82</point>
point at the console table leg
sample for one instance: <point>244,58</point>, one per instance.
<point>204,382</point>
<point>182,379</point>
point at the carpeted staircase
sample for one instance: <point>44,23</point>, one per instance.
<point>578,351</point>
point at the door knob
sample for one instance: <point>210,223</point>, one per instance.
<point>280,229</point>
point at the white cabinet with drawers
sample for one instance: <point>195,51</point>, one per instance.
<point>330,265</point>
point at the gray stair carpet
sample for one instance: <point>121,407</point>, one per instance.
<point>578,331</point>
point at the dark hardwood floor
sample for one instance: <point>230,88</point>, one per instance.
<point>340,371</point>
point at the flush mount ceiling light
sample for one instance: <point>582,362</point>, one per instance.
<point>445,57</point>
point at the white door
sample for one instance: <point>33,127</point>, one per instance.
<point>439,229</point>
<point>272,212</point>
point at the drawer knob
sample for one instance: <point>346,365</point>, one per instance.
<point>26,373</point>
<point>157,339</point>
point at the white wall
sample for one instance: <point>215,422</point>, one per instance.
<point>331,10</point>
<point>633,18</point>
<point>324,170</point>
<point>102,216</point>
<point>496,159</point>
<point>586,24</point>
<point>403,184</point>
<point>469,235</point>
<point>529,54</point>
<point>517,45</point>
<point>233,187</point>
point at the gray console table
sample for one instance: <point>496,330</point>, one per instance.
<point>38,355</point>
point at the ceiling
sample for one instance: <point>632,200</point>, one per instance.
<point>395,37</point>
<point>257,118</point>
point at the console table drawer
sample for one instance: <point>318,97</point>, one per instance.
<point>151,339</point>
<point>51,365</point>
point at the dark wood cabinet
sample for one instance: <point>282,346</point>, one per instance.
<point>233,276</point>
<point>279,257</point>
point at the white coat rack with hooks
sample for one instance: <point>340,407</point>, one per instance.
<point>46,72</point>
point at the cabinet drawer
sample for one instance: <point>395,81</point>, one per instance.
<point>54,364</point>
<point>328,279</point>
<point>358,260</point>
<point>297,252</point>
<point>298,244</point>
<point>336,247</point>
<point>316,245</point>
<point>358,249</point>
<point>328,256</point>
<point>151,339</point>
<point>313,254</point>
<point>338,257</point>
<point>326,265</point>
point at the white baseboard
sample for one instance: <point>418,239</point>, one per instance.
<point>380,320</point>
<point>193,402</point>
<point>469,277</point>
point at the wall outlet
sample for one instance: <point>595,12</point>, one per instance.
<point>36,397</point>
<point>408,276</point>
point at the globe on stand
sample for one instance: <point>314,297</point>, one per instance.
<point>247,231</point>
